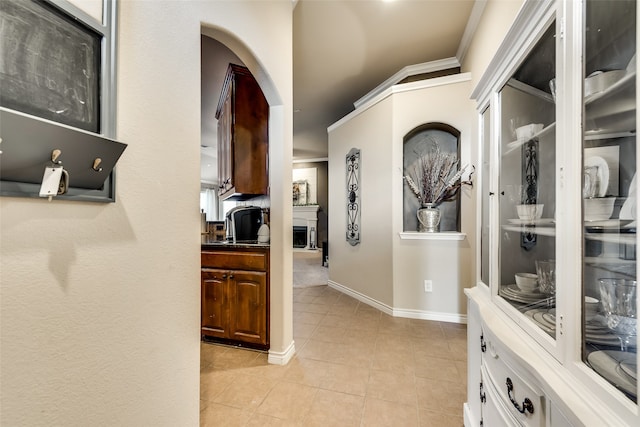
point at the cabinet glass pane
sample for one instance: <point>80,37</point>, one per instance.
<point>484,237</point>
<point>609,193</point>
<point>527,185</point>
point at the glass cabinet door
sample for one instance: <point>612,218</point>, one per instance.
<point>609,314</point>
<point>485,192</point>
<point>527,184</point>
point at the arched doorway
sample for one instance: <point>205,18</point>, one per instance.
<point>280,154</point>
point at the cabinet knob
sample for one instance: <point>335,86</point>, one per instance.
<point>231,276</point>
<point>224,276</point>
<point>491,193</point>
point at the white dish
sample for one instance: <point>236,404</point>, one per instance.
<point>537,315</point>
<point>603,173</point>
<point>630,367</point>
<point>607,363</point>
<point>515,290</point>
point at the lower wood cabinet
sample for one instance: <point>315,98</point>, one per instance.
<point>235,300</point>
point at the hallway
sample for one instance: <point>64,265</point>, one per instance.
<point>354,366</point>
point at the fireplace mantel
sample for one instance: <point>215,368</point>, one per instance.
<point>307,216</point>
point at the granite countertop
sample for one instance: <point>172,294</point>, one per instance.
<point>210,241</point>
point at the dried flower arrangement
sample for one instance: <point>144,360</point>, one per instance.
<point>436,177</point>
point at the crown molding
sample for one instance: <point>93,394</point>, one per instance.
<point>409,70</point>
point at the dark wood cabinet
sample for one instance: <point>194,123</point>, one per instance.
<point>235,295</point>
<point>243,137</point>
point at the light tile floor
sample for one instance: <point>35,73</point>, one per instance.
<point>355,366</point>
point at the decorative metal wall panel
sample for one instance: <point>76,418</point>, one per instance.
<point>353,196</point>
<point>530,168</point>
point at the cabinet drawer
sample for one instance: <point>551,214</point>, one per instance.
<point>234,260</point>
<point>511,387</point>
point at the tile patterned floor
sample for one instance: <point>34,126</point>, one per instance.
<point>355,366</point>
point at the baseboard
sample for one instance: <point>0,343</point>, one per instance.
<point>430,315</point>
<point>399,312</point>
<point>469,419</point>
<point>361,297</point>
<point>282,358</point>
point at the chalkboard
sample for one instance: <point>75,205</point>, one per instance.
<point>49,64</point>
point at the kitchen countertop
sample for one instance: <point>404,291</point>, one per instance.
<point>209,241</point>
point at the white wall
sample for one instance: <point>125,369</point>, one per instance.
<point>497,17</point>
<point>383,269</point>
<point>365,268</point>
<point>100,303</point>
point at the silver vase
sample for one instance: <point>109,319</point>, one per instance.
<point>428,218</point>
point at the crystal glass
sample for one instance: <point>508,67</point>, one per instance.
<point>618,298</point>
<point>546,270</point>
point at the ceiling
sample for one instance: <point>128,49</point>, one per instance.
<point>342,50</point>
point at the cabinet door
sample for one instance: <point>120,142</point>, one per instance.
<point>215,303</point>
<point>225,146</point>
<point>527,182</point>
<point>609,193</point>
<point>248,317</point>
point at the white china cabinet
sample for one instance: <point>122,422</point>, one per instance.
<point>552,322</point>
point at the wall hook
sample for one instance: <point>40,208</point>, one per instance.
<point>96,164</point>
<point>54,157</point>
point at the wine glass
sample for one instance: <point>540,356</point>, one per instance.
<point>618,298</point>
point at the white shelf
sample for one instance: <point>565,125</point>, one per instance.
<point>444,235</point>
<point>542,231</point>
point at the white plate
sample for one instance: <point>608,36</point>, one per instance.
<point>603,173</point>
<point>516,291</point>
<point>537,315</point>
<point>540,221</point>
<point>607,363</point>
<point>630,367</point>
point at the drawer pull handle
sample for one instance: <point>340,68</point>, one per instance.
<point>527,405</point>
<point>483,344</point>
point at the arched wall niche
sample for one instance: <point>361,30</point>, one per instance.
<point>416,143</point>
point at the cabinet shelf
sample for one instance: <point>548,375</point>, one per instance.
<point>541,231</point>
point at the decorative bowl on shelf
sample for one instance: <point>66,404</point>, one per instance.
<point>529,212</point>
<point>591,306</point>
<point>526,132</point>
<point>527,282</point>
<point>598,208</point>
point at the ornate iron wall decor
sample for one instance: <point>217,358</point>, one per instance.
<point>353,197</point>
<point>529,186</point>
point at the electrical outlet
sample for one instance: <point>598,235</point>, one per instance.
<point>428,286</point>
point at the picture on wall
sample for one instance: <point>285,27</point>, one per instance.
<point>305,186</point>
<point>300,193</point>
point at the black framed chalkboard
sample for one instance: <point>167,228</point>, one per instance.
<point>49,64</point>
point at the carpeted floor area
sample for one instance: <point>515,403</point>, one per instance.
<point>308,269</point>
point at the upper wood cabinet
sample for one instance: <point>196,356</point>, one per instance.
<point>243,137</point>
